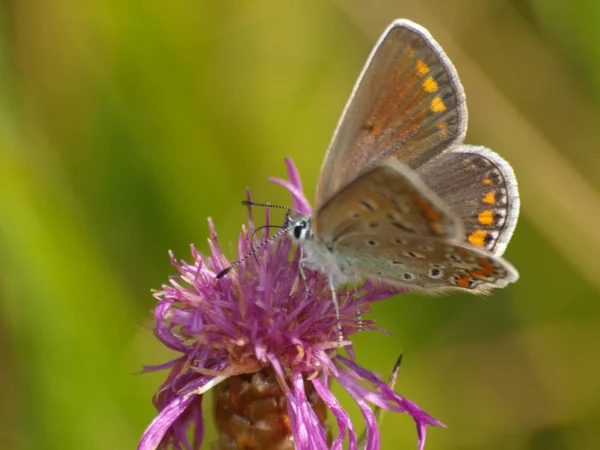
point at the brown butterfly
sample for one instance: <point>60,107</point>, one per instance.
<point>400,199</point>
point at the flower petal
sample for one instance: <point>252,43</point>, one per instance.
<point>341,416</point>
<point>156,431</point>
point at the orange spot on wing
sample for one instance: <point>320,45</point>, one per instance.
<point>437,105</point>
<point>477,238</point>
<point>429,85</point>
<point>487,181</point>
<point>422,68</point>
<point>487,269</point>
<point>490,198</point>
<point>477,273</point>
<point>431,214</point>
<point>486,217</point>
<point>463,281</point>
<point>486,266</point>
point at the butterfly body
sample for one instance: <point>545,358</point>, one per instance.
<point>320,256</point>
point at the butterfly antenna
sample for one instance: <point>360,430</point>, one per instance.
<point>255,232</point>
<point>282,230</point>
<point>268,205</point>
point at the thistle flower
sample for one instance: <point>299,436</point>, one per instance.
<point>265,341</point>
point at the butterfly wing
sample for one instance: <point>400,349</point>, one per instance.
<point>390,200</point>
<point>480,187</point>
<point>424,264</point>
<point>408,103</point>
<point>387,226</point>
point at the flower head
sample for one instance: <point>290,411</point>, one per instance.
<point>264,328</point>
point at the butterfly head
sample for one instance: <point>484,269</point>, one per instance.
<point>299,229</point>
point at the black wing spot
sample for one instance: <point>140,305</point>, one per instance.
<point>408,276</point>
<point>501,197</point>
<point>435,273</point>
<point>489,237</point>
<point>496,177</point>
<point>372,243</point>
<point>500,218</point>
<point>367,205</point>
<point>374,225</point>
<point>480,163</point>
<point>402,226</point>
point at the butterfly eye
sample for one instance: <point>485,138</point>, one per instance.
<point>300,230</point>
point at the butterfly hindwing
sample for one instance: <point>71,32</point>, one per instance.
<point>481,189</point>
<point>424,264</point>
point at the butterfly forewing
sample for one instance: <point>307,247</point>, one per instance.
<point>408,103</point>
<point>481,189</point>
<point>388,199</point>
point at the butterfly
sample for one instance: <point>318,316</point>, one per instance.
<point>400,199</point>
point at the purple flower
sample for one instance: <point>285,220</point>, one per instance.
<point>268,348</point>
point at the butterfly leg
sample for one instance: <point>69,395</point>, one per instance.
<point>336,305</point>
<point>303,274</point>
<point>358,310</point>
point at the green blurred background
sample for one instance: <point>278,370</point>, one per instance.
<point>124,124</point>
